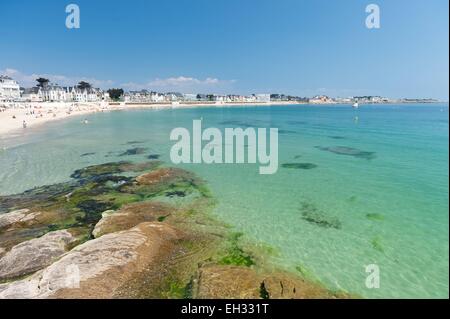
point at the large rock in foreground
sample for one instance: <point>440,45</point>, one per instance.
<point>236,282</point>
<point>100,267</point>
<point>34,254</point>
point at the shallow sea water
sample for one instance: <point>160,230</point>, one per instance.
<point>376,192</point>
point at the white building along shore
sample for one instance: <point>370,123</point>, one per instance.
<point>9,89</point>
<point>56,93</point>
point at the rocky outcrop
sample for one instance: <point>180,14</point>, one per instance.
<point>231,282</point>
<point>100,267</point>
<point>34,254</point>
<point>158,176</point>
<point>137,251</point>
<point>18,216</point>
<point>129,216</point>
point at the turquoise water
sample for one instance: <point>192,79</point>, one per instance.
<point>388,194</point>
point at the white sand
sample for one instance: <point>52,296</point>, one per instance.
<point>34,114</point>
<point>51,111</point>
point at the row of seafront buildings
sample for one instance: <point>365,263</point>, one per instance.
<point>145,96</point>
<point>56,93</point>
<point>10,91</point>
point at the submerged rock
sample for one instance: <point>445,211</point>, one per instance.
<point>96,170</point>
<point>66,205</point>
<point>113,168</point>
<point>154,156</point>
<point>349,151</point>
<point>35,196</point>
<point>99,267</point>
<point>34,254</point>
<point>134,151</point>
<point>313,215</point>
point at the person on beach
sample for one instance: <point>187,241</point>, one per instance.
<point>24,124</point>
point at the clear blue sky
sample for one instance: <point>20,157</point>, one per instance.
<point>245,46</point>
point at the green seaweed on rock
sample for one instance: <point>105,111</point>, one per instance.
<point>234,254</point>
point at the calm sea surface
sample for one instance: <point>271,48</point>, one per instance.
<point>376,192</point>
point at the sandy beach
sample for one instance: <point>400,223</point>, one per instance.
<point>36,113</point>
<point>31,114</point>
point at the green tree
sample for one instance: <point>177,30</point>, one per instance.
<point>115,94</point>
<point>84,85</point>
<point>42,82</point>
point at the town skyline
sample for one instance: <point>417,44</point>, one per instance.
<point>45,90</point>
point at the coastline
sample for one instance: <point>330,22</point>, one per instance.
<point>45,112</point>
<point>53,111</point>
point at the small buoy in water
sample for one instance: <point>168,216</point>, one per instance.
<point>85,121</point>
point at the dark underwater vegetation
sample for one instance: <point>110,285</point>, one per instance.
<point>287,132</point>
<point>87,154</point>
<point>293,122</point>
<point>134,142</point>
<point>348,151</point>
<point>299,165</point>
<point>134,151</point>
<point>313,215</point>
<point>153,156</point>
